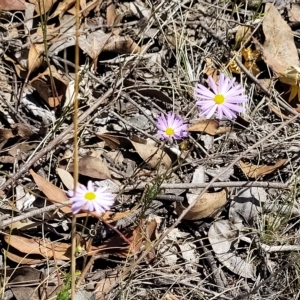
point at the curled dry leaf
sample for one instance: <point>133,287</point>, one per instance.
<point>92,167</point>
<point>42,7</point>
<point>223,237</point>
<point>94,43</point>
<point>53,95</point>
<point>144,235</point>
<point>256,171</point>
<point>53,193</point>
<point>207,205</point>
<point>66,178</point>
<point>210,127</point>
<point>104,285</point>
<point>279,48</point>
<point>35,57</point>
<point>39,247</point>
<point>20,258</point>
<point>246,205</point>
<point>62,7</point>
<point>153,156</point>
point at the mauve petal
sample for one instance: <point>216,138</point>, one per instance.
<point>235,91</point>
<point>231,82</point>
<point>100,190</point>
<point>203,92</point>
<point>234,107</point>
<point>229,114</point>
<point>237,99</point>
<point>220,112</point>
<point>90,186</point>
<point>75,210</point>
<point>70,193</point>
<point>163,120</point>
<point>208,113</point>
<point>213,85</point>
<point>76,207</point>
<point>89,205</point>
<point>221,80</point>
<point>208,105</point>
<point>77,198</point>
<point>170,119</point>
<point>177,123</point>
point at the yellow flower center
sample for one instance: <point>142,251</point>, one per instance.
<point>219,99</point>
<point>90,196</point>
<point>169,131</point>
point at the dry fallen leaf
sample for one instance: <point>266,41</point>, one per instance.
<point>20,258</point>
<point>12,5</point>
<point>53,193</point>
<point>279,38</point>
<point>210,127</point>
<point>256,171</point>
<point>92,167</point>
<point>42,7</point>
<point>53,95</point>
<point>39,247</point>
<point>93,43</point>
<point>223,237</point>
<point>62,7</point>
<point>66,178</point>
<point>208,205</point>
<point>35,57</point>
<point>153,156</point>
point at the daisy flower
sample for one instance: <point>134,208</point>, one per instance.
<point>92,199</point>
<point>171,127</point>
<point>223,99</point>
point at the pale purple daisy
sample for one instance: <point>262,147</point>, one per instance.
<point>223,99</point>
<point>171,127</point>
<point>91,199</point>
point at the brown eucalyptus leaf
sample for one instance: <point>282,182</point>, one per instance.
<point>94,43</point>
<point>122,45</point>
<point>153,156</point>
<point>19,257</point>
<point>39,246</point>
<point>210,127</point>
<point>53,95</point>
<point>256,171</point>
<point>208,205</point>
<point>42,6</point>
<point>115,141</point>
<point>92,167</point>
<point>35,57</point>
<point>52,192</point>
<point>62,8</point>
<point>279,39</point>
<point>104,285</point>
<point>66,178</point>
<point>12,5</point>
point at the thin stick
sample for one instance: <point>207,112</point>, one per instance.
<point>30,214</point>
<point>273,185</point>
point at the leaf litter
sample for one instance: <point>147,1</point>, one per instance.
<point>138,60</point>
